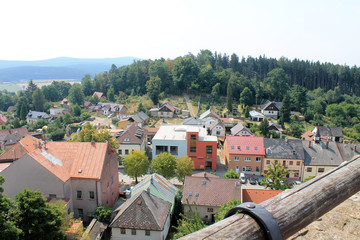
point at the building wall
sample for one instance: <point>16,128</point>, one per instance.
<point>85,203</point>
<point>270,113</point>
<point>110,180</point>
<point>292,168</point>
<point>165,114</point>
<point>315,171</point>
<point>205,212</point>
<point>181,144</point>
<point>26,172</point>
<point>200,157</point>
<point>130,148</point>
<point>219,129</point>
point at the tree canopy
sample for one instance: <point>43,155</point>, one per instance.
<point>136,164</point>
<point>164,164</point>
<point>184,167</point>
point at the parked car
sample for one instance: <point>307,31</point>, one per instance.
<point>242,178</point>
<point>252,180</point>
<point>111,115</point>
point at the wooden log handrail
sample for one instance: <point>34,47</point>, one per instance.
<point>294,208</point>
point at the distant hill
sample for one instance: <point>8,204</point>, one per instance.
<point>57,68</point>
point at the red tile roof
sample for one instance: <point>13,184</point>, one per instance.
<point>206,191</point>
<point>245,145</point>
<point>73,159</point>
<point>308,136</point>
<point>19,149</point>
<point>21,131</point>
<point>258,195</point>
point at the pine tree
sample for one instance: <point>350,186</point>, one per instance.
<point>229,103</point>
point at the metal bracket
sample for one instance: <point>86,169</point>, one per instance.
<point>262,216</point>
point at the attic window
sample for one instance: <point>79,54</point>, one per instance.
<point>203,182</point>
<point>239,147</point>
<point>232,147</point>
<point>268,151</point>
<point>255,148</point>
<point>190,194</point>
<point>247,147</point>
<point>196,194</point>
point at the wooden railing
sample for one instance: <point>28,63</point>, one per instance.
<point>293,209</point>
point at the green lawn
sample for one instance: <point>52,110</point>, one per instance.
<point>11,87</point>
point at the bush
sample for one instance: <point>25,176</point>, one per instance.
<point>103,214</point>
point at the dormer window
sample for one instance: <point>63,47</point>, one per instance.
<point>238,147</point>
<point>255,148</point>
<point>232,147</point>
<point>247,148</point>
<point>268,151</point>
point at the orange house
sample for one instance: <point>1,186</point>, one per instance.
<point>202,150</point>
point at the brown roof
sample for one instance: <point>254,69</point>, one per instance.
<point>308,136</point>
<point>227,120</point>
<point>73,159</point>
<point>24,146</point>
<point>98,94</point>
<point>202,174</point>
<point>64,101</point>
<point>3,119</point>
<point>21,131</point>
<point>210,191</point>
<point>170,106</point>
<point>143,211</point>
<point>151,130</point>
<point>133,135</point>
<point>258,195</point>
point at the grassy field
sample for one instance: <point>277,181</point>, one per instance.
<point>10,87</point>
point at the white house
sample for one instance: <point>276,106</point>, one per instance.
<point>256,116</point>
<point>217,128</point>
<point>271,109</point>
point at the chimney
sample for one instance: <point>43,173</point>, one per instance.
<point>327,144</point>
<point>309,145</point>
<point>354,148</point>
<point>148,190</point>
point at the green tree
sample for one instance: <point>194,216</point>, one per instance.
<point>164,164</point>
<point>30,90</point>
<point>275,178</point>
<point>76,95</point>
<point>246,111</point>
<point>77,110</point>
<point>90,133</point>
<point>86,85</point>
<point>189,224</point>
<point>277,83</point>
<point>246,97</point>
<point>229,103</point>
<point>285,110</point>
<point>111,95</point>
<point>153,87</point>
<point>23,111</point>
<point>184,167</point>
<point>103,214</point>
<point>35,217</point>
<point>136,164</point>
<point>184,72</point>
<point>231,174</point>
<point>264,127</point>
<point>8,229</point>
<point>215,92</point>
<point>38,100</point>
<point>219,215</point>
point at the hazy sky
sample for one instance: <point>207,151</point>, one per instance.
<point>315,30</point>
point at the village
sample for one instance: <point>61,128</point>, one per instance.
<point>90,174</point>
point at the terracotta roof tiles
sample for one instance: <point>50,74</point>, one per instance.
<point>245,145</point>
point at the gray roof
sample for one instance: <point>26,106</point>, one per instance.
<point>192,121</point>
<point>209,113</point>
<point>317,154</point>
<point>238,128</point>
<point>37,115</point>
<point>348,151</point>
<point>327,131</point>
<point>140,117</point>
<point>254,113</point>
<point>143,211</point>
<point>267,103</point>
<point>284,148</point>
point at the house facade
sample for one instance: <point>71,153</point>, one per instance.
<point>84,172</point>
<point>133,138</point>
<point>34,116</point>
<point>183,140</point>
<point>333,134</point>
<point>288,152</point>
<point>204,189</point>
<point>110,108</point>
<point>240,130</point>
<point>166,110</point>
<point>244,154</point>
<point>271,109</point>
<point>217,129</point>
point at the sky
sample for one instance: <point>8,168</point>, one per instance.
<point>324,30</point>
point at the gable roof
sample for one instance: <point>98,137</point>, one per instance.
<point>158,186</point>
<point>254,113</point>
<point>205,191</point>
<point>209,113</point>
<point>284,148</point>
<point>307,136</point>
<point>21,131</point>
<point>249,145</point>
<point>140,117</point>
<point>268,103</point>
<point>73,159</point>
<point>348,151</point>
<point>98,94</point>
<point>37,115</point>
<point>319,155</point>
<point>25,145</point>
<point>64,101</point>
<point>239,128</point>
<point>3,119</point>
<point>326,131</point>
<point>169,106</point>
<point>143,211</point>
<point>259,195</point>
<point>133,135</point>
<point>192,121</point>
<point>217,122</point>
<point>11,139</point>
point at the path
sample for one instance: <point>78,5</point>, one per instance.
<point>189,105</point>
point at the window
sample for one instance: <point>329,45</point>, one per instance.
<point>147,232</point>
<point>258,159</point>
<point>208,149</point>
<point>255,148</point>
<point>120,151</point>
<point>78,194</point>
<point>267,161</point>
<point>309,169</point>
<point>161,149</point>
<point>247,169</point>
<point>321,170</point>
<point>107,184</point>
<point>133,231</point>
<point>210,210</point>
<point>291,163</point>
<point>112,179</point>
<point>298,163</point>
<point>238,147</point>
<point>193,149</point>
<point>232,147</point>
<point>123,231</point>
<point>126,151</point>
<point>247,159</point>
<point>81,213</point>
<point>247,148</point>
<point>52,195</point>
<point>91,195</point>
<point>174,150</point>
<point>236,158</point>
<point>257,169</point>
<point>192,137</point>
